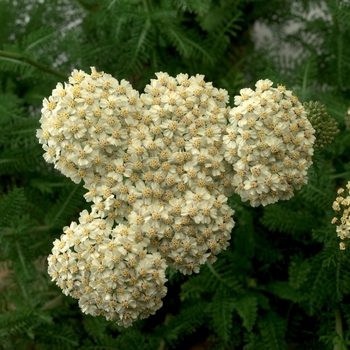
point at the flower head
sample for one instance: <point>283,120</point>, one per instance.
<point>269,143</point>
<point>342,207</point>
<point>153,167</point>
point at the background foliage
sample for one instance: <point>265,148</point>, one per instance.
<point>283,283</point>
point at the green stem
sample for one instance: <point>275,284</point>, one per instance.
<point>337,176</point>
<point>22,58</point>
<point>10,231</point>
<point>338,327</point>
<point>43,228</point>
<point>52,304</point>
<point>85,7</point>
<point>337,33</point>
<point>338,293</point>
<point>21,258</point>
<point>72,193</point>
<point>145,5</point>
<point>316,190</point>
<point>161,344</point>
<point>212,270</point>
<point>306,72</point>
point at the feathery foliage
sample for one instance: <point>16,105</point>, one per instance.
<point>283,282</point>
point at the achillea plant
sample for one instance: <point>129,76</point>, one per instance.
<point>131,210</point>
<point>158,168</point>
<point>152,165</point>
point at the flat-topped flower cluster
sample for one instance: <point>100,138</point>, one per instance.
<point>269,143</point>
<point>158,168</point>
<point>152,165</point>
<point>342,206</point>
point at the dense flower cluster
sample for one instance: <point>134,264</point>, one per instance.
<point>155,174</point>
<point>269,143</point>
<point>188,220</point>
<point>325,126</point>
<point>108,270</point>
<point>342,206</point>
<point>158,168</point>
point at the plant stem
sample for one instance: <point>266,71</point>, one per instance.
<point>212,270</point>
<point>85,7</point>
<point>52,304</point>
<point>336,176</point>
<point>21,58</point>
<point>10,231</point>
<point>161,344</point>
<point>338,327</point>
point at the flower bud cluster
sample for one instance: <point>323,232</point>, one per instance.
<point>269,143</point>
<point>342,206</point>
<point>153,167</point>
<point>325,126</point>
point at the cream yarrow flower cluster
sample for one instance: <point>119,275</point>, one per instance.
<point>85,130</point>
<point>108,270</point>
<point>189,221</point>
<point>84,123</point>
<point>153,166</point>
<point>269,143</point>
<point>342,206</point>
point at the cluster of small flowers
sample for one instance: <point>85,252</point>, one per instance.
<point>152,165</point>
<point>108,270</point>
<point>85,126</point>
<point>342,204</point>
<point>269,143</point>
<point>189,220</point>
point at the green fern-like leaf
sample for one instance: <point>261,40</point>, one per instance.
<point>96,328</point>
<point>196,6</point>
<point>222,310</point>
<point>272,330</point>
<point>317,281</point>
<point>11,205</point>
<point>12,64</point>
<point>319,191</point>
<point>134,339</point>
<point>55,337</point>
<point>16,322</point>
<point>186,44</point>
<point>308,71</point>
<point>11,107</point>
<point>281,217</point>
<point>20,134</point>
<point>190,318</point>
<point>70,198</point>
<point>247,308</point>
<point>298,273</point>
<point>222,274</point>
<point>137,48</point>
<point>324,285</point>
<point>34,41</point>
<point>18,160</point>
<point>283,290</point>
<point>209,280</point>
